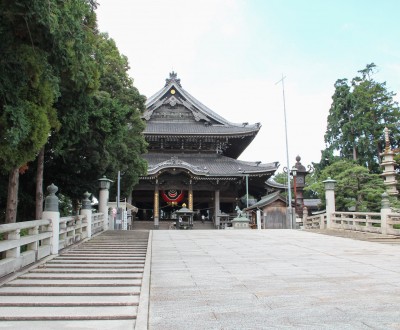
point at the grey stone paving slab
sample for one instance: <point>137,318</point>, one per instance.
<point>274,279</point>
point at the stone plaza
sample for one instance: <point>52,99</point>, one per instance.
<point>276,279</point>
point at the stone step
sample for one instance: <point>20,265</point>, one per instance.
<point>68,313</point>
<point>95,285</point>
<point>72,282</point>
<point>69,291</point>
<point>100,257</point>
<point>89,266</point>
<point>104,270</point>
<point>71,276</point>
<point>134,252</point>
<point>69,324</point>
<point>109,244</point>
<point>57,301</point>
<point>98,262</point>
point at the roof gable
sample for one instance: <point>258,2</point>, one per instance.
<point>268,199</point>
<point>172,115</point>
<point>173,95</point>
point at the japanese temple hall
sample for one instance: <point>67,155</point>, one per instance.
<point>193,159</point>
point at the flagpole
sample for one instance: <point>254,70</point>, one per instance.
<point>290,211</point>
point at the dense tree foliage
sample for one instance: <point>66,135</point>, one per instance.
<point>42,44</point>
<point>40,41</point>
<point>64,86</point>
<point>360,111</point>
<point>100,132</point>
<point>356,188</point>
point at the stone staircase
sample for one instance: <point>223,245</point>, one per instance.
<point>95,285</point>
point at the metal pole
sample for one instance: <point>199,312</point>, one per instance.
<point>287,156</point>
<point>118,189</point>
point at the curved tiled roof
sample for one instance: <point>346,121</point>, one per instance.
<point>197,129</point>
<point>267,200</point>
<point>208,165</point>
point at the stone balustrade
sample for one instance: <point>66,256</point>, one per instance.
<point>360,221</point>
<point>315,221</point>
<point>48,236</point>
<point>19,251</point>
<point>384,222</point>
<point>393,220</point>
<point>35,245</point>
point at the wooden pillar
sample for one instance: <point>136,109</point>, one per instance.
<point>156,210</point>
<point>190,197</point>
<point>216,209</point>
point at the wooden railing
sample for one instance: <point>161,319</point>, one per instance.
<point>18,250</point>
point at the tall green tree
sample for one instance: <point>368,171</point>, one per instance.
<point>360,111</point>
<point>43,43</point>
<point>101,132</point>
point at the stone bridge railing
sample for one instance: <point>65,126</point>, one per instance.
<point>41,238</point>
<point>359,221</point>
<point>384,222</point>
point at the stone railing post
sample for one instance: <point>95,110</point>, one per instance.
<point>87,211</point>
<point>330,200</point>
<point>305,215</point>
<point>385,210</point>
<point>104,193</point>
<point>51,212</point>
<point>321,222</point>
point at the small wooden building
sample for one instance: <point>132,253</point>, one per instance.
<point>273,209</point>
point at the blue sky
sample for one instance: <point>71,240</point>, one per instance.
<point>229,54</point>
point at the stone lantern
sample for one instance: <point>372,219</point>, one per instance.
<point>329,184</point>
<point>186,216</point>
<point>299,174</point>
<point>104,183</point>
<point>104,186</point>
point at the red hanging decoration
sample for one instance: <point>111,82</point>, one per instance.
<point>172,196</point>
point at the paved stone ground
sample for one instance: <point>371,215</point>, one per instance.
<point>272,279</point>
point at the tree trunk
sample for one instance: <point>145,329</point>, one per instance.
<point>12,196</point>
<point>39,185</point>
